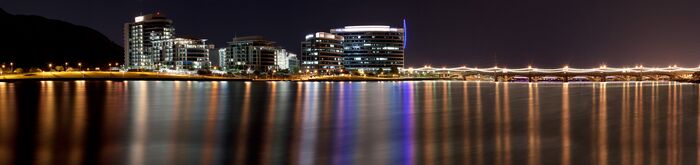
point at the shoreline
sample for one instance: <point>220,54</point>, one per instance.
<point>153,76</point>
<point>292,80</point>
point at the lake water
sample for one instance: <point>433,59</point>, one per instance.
<point>423,122</point>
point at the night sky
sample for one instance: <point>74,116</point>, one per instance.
<point>544,33</point>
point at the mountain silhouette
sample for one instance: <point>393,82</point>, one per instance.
<point>34,41</point>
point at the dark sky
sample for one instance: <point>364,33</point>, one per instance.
<point>515,33</point>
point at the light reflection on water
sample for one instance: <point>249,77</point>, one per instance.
<point>429,122</point>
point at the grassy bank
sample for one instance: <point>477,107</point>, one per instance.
<point>40,76</point>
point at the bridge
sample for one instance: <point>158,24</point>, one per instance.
<point>565,74</point>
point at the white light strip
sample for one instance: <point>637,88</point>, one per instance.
<point>372,28</point>
<point>556,70</point>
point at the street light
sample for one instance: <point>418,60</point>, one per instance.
<point>12,67</point>
<point>81,66</point>
<point>50,67</point>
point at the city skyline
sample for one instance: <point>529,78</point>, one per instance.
<point>471,33</point>
<point>350,82</point>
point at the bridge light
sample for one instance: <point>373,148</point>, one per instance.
<point>675,66</point>
<point>529,67</point>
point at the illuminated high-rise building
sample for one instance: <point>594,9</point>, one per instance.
<point>222,58</point>
<point>191,54</point>
<point>285,60</point>
<point>321,52</point>
<point>370,48</point>
<point>148,41</point>
<point>251,53</point>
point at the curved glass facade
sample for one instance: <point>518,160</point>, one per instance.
<point>371,48</point>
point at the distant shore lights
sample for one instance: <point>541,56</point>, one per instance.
<point>565,69</point>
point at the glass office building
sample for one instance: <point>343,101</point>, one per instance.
<point>322,52</point>
<point>148,41</point>
<point>251,53</point>
<point>191,53</point>
<point>371,48</point>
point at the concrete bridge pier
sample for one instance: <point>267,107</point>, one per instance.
<point>627,78</point>
<point>565,78</point>
<point>531,79</point>
<point>674,77</point>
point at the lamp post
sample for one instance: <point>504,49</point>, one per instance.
<point>12,67</point>
<point>82,74</point>
<point>566,71</point>
<point>50,67</point>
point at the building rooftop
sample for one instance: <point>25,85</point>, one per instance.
<point>147,17</point>
<point>324,35</point>
<point>367,28</point>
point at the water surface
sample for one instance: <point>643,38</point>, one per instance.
<point>425,122</point>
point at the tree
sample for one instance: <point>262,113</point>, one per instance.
<point>394,70</point>
<point>205,72</point>
<point>59,68</point>
<point>18,70</point>
<point>35,70</point>
<point>381,71</point>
